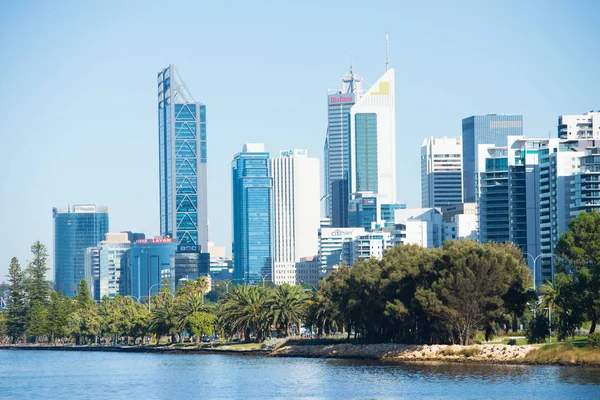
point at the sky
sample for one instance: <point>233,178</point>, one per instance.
<point>78,110</point>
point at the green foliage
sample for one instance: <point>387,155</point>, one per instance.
<point>578,264</point>
<point>593,340</point>
<point>16,317</point>
<point>538,329</point>
<point>82,297</point>
<point>38,287</point>
<point>245,311</point>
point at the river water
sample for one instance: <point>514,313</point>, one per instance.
<point>26,374</point>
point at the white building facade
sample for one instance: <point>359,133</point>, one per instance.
<point>373,141</point>
<point>370,245</point>
<point>296,212</point>
<point>579,126</point>
<point>421,226</point>
<point>112,250</point>
<point>441,172</point>
<point>331,246</point>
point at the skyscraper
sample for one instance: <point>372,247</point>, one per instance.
<point>373,141</point>
<point>182,164</point>
<point>252,192</point>
<point>296,212</point>
<point>484,129</point>
<point>75,230</point>
<point>337,147</point>
<point>112,261</point>
<point>441,172</point>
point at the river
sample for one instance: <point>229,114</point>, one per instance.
<point>27,374</point>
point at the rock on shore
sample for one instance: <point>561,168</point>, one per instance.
<point>401,352</point>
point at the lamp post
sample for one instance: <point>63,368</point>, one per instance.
<point>263,278</point>
<point>534,259</point>
<point>149,297</point>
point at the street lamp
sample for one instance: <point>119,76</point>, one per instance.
<point>534,259</point>
<point>264,277</point>
<point>149,290</point>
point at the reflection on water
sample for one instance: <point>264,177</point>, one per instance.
<point>56,374</point>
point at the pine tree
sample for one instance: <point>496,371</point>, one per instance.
<point>38,288</point>
<point>15,309</point>
<point>83,298</point>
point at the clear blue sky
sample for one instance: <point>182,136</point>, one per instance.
<point>78,105</point>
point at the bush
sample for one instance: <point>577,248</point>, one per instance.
<point>470,351</point>
<point>593,340</point>
<point>447,352</point>
<point>538,328</point>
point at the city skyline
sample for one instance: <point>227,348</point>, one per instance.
<point>72,162</point>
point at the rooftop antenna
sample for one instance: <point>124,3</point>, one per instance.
<point>387,59</point>
<point>351,66</point>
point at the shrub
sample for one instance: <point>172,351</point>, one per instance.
<point>447,352</point>
<point>593,339</point>
<point>538,328</point>
<point>470,351</point>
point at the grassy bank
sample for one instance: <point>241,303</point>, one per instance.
<point>565,353</point>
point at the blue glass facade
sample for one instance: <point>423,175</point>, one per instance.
<point>362,212</point>
<point>252,191</point>
<point>182,164</point>
<point>148,264</point>
<point>366,152</point>
<point>73,233</point>
<point>494,220</point>
<point>388,210</point>
<point>339,203</point>
<point>484,129</point>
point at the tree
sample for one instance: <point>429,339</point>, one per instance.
<point>163,318</point>
<point>82,298</point>
<point>470,290</point>
<point>37,320</point>
<point>578,254</point>
<point>245,310</point>
<point>288,305</point>
<point>58,312</point>
<point>38,288</point>
<point>16,307</point>
<point>188,310</point>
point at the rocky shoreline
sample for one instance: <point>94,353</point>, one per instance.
<point>489,353</point>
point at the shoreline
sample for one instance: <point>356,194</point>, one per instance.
<point>137,349</point>
<point>488,354</point>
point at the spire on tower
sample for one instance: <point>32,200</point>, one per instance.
<point>387,60</point>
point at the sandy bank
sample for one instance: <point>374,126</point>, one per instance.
<point>494,353</point>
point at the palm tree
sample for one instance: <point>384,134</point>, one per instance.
<point>245,309</point>
<point>549,296</point>
<point>288,305</point>
<point>188,308</point>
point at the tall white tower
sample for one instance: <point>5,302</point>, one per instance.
<point>296,212</point>
<point>373,141</point>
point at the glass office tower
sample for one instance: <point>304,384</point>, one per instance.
<point>75,229</point>
<point>491,129</point>
<point>252,191</point>
<point>336,151</point>
<point>182,164</point>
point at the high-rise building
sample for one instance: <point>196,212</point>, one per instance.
<point>112,253</point>
<point>493,194</point>
<point>252,193</point>
<point>373,141</point>
<point>337,147</point>
<point>421,226</point>
<point>441,172</point>
<point>149,265</point>
<point>182,164</point>
<point>581,126</point>
<point>296,212</point>
<point>92,271</point>
<point>493,129</point>
<point>75,229</point>
<point>331,245</point>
